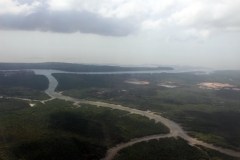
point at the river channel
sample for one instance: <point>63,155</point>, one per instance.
<point>175,129</point>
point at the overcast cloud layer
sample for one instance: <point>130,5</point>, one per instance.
<point>164,32</point>
<point>198,18</point>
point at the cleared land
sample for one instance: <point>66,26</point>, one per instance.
<point>46,130</point>
<point>210,115</point>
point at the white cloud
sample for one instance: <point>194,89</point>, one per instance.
<point>152,25</point>
<point>114,8</point>
<point>14,7</point>
<point>208,15</point>
<point>57,5</point>
<point>198,18</point>
<point>233,28</point>
<point>198,33</point>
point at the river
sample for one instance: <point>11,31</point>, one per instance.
<point>175,129</point>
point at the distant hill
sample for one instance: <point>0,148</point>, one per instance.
<point>73,67</point>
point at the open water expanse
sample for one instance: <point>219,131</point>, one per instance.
<point>175,129</point>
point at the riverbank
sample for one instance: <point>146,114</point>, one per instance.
<point>175,129</point>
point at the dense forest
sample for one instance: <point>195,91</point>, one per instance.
<point>22,85</point>
<point>169,149</point>
<point>210,115</point>
<point>74,67</point>
<point>61,130</point>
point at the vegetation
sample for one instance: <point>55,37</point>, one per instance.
<point>119,126</point>
<point>28,86</point>
<point>169,149</point>
<point>210,115</point>
<point>74,67</point>
<point>215,155</point>
<point>60,130</point>
<point>11,105</point>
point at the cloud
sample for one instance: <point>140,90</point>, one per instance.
<point>197,18</point>
<point>114,8</point>
<point>14,7</point>
<point>152,24</point>
<point>68,21</point>
<point>208,16</point>
<point>203,34</point>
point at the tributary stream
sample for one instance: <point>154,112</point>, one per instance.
<point>175,129</point>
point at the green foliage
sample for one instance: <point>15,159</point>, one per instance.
<point>75,123</point>
<point>8,105</point>
<point>198,110</point>
<point>215,155</point>
<point>60,130</point>
<point>231,76</point>
<point>219,128</point>
<point>169,149</point>
<point>163,149</point>
<point>36,82</point>
<point>24,86</point>
<point>228,94</point>
<point>59,148</point>
<point>117,126</point>
<point>21,92</point>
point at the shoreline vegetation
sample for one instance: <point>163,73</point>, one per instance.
<point>23,84</point>
<point>62,130</point>
<point>172,148</point>
<point>74,67</point>
<point>212,116</point>
<point>63,124</point>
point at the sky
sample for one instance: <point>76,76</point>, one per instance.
<point>125,32</point>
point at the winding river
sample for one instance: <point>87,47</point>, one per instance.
<point>175,129</point>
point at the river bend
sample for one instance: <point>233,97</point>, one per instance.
<point>175,129</point>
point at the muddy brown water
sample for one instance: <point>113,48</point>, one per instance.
<point>175,129</point>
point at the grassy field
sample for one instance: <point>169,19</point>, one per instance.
<point>59,130</point>
<point>209,115</point>
<point>169,149</point>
